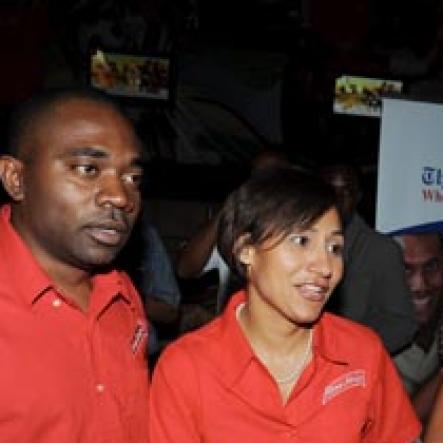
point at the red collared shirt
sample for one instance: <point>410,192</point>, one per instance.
<point>67,376</point>
<point>208,387</point>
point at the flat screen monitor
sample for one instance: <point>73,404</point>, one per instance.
<point>146,77</point>
<point>363,95</point>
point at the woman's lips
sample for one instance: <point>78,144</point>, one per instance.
<point>312,292</point>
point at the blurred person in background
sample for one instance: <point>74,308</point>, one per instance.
<point>373,290</point>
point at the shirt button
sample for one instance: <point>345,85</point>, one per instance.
<point>100,387</point>
<point>56,302</point>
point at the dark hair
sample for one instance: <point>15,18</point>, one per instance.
<point>270,204</point>
<point>27,115</point>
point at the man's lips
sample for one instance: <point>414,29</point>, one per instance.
<point>110,234</point>
<point>421,301</point>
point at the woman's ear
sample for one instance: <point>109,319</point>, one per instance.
<point>244,250</point>
<point>11,176</point>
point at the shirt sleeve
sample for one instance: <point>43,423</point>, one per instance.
<point>175,399</point>
<point>392,418</point>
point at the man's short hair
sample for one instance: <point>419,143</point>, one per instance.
<point>26,116</point>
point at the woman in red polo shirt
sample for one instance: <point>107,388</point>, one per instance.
<point>274,367</point>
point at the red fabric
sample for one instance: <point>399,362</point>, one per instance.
<point>209,387</point>
<point>67,376</point>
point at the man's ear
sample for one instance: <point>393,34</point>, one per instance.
<point>11,176</point>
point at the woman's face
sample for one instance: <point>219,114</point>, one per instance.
<point>295,277</point>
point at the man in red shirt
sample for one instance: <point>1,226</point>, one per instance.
<point>72,330</point>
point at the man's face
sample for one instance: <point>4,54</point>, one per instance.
<point>80,194</point>
<point>346,189</point>
<point>424,273</point>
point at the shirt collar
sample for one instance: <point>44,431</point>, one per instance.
<point>237,353</point>
<point>18,265</point>
<point>325,342</point>
<point>106,288</point>
<point>28,279</point>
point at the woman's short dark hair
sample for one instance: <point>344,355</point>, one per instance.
<point>271,204</point>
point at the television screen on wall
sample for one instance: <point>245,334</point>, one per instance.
<point>363,95</point>
<point>147,77</point>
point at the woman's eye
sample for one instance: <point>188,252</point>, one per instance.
<point>336,249</point>
<point>301,240</point>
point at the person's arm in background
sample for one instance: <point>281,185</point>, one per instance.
<point>160,311</point>
<point>158,284</point>
<point>424,398</point>
<point>196,253</point>
<point>391,313</point>
<point>434,431</point>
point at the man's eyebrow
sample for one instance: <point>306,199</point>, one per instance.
<point>86,151</point>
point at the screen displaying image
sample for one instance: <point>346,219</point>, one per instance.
<point>134,76</point>
<point>362,95</point>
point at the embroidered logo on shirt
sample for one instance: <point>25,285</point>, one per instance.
<point>140,333</point>
<point>343,383</point>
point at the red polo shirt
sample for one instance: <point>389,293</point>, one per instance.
<point>209,387</point>
<point>67,376</point>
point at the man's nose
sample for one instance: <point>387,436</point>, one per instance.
<point>113,192</point>
<point>417,282</point>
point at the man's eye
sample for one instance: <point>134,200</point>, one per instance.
<point>89,170</point>
<point>134,179</point>
<point>297,239</point>
<point>432,266</point>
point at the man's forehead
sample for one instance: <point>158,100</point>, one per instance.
<point>421,246</point>
<point>340,181</point>
<point>339,176</point>
<point>83,117</point>
<point>82,106</point>
<point>77,122</point>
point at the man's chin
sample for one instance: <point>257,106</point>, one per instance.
<point>423,318</point>
<point>98,261</point>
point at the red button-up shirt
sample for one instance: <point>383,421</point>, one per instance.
<point>209,387</point>
<point>67,376</point>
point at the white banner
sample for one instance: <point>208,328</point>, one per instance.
<point>410,173</point>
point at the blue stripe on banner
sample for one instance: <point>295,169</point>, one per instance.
<point>420,229</point>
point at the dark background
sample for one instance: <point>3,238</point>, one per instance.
<point>249,74</point>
